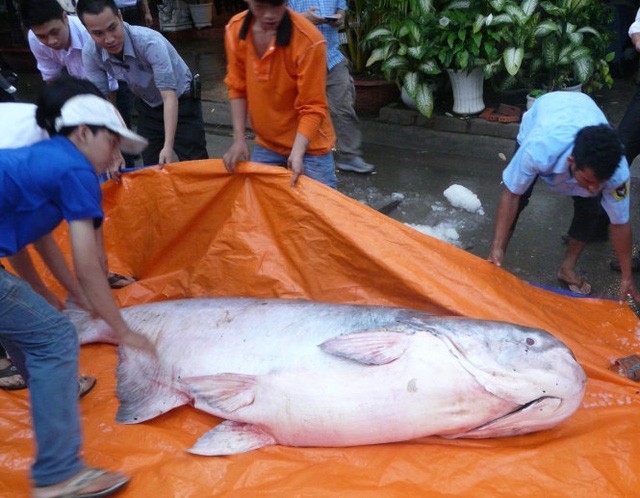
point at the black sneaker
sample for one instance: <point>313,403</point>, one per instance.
<point>635,264</point>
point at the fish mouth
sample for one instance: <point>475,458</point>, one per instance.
<point>538,414</point>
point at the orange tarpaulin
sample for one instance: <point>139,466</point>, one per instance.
<point>191,230</point>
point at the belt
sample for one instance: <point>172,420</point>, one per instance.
<point>186,96</point>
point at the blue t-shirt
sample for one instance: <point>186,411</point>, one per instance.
<point>546,139</point>
<point>41,185</point>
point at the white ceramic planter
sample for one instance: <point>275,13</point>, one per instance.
<point>467,91</point>
<point>201,14</point>
<point>174,15</point>
<point>574,88</point>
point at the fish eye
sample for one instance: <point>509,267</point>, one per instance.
<point>530,341</point>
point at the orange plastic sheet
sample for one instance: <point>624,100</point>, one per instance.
<point>191,230</point>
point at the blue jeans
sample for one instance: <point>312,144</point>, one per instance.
<point>43,346</point>
<point>320,168</point>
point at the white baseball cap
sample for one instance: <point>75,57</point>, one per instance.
<point>96,111</point>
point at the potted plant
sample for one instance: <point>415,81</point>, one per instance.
<point>518,41</point>
<point>405,58</point>
<point>570,51</point>
<point>372,89</point>
<point>472,40</point>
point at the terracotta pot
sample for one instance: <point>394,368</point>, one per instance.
<point>372,95</point>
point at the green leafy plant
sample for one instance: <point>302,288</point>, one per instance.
<point>363,17</point>
<point>570,50</point>
<point>474,33</point>
<point>518,42</point>
<point>405,58</point>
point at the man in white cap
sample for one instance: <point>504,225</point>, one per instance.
<point>41,185</point>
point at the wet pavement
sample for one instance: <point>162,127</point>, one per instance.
<point>415,166</point>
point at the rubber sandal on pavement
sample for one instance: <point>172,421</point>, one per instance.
<point>583,287</point>
<point>117,281</point>
<point>12,371</point>
<point>85,384</point>
<point>88,483</point>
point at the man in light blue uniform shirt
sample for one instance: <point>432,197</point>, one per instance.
<point>328,16</point>
<point>167,100</point>
<point>565,140</point>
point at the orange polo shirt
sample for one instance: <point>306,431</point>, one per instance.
<point>285,88</point>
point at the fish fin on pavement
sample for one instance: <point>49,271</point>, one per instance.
<point>520,421</point>
<point>230,438</point>
<point>226,392</point>
<point>371,347</point>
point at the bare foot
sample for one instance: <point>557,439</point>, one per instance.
<point>87,482</point>
<point>10,379</point>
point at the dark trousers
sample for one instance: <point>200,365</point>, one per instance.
<point>590,222</point>
<point>629,128</point>
<point>190,142</point>
<point>133,15</point>
<point>124,103</point>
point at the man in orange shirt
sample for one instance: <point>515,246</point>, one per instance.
<point>276,71</point>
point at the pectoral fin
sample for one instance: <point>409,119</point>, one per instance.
<point>373,347</point>
<point>224,392</point>
<point>230,438</point>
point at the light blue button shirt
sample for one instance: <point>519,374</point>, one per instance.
<point>150,64</point>
<point>546,139</point>
<point>325,8</point>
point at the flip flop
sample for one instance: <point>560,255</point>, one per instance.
<point>77,486</point>
<point>583,287</point>
<point>85,384</point>
<point>10,371</point>
<point>117,281</point>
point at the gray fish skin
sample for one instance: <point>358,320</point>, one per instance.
<point>303,373</point>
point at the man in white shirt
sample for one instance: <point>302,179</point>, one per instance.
<point>56,39</point>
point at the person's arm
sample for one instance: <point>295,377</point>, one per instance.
<point>53,258</point>
<point>505,214</point>
<point>238,150</point>
<point>634,32</point>
<point>622,239</point>
<point>23,265</point>
<point>170,102</point>
<point>295,161</point>
<point>86,250</point>
<point>146,13</point>
<point>339,21</point>
<point>311,16</point>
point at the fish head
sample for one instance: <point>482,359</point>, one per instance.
<point>525,366</point>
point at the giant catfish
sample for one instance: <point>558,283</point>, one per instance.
<point>303,373</point>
